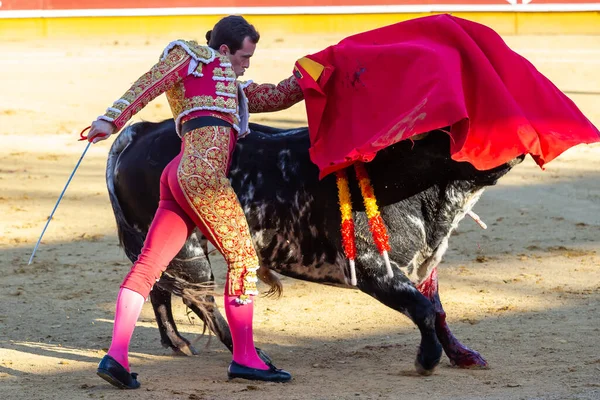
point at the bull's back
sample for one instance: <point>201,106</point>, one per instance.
<point>139,166</point>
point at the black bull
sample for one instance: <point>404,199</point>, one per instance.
<point>295,222</point>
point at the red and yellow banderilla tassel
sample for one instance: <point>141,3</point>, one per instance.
<point>376,224</point>
<point>347,222</point>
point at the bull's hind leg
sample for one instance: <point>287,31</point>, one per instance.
<point>208,312</point>
<point>401,295</point>
<point>202,305</point>
<point>206,309</point>
<point>169,336</point>
<point>459,355</point>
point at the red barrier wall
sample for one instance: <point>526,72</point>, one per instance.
<point>103,4</point>
<point>68,18</point>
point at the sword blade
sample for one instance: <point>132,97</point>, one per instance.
<point>56,205</point>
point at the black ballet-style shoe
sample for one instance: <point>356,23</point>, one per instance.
<point>115,374</point>
<point>272,374</point>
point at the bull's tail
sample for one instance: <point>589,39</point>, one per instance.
<point>267,276</point>
<point>131,239</point>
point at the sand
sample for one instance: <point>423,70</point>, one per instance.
<point>525,293</point>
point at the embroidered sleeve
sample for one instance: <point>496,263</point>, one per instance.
<point>268,97</point>
<point>170,70</point>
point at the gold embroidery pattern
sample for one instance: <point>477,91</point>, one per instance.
<point>268,97</point>
<point>146,98</point>
<point>227,87</point>
<point>209,102</point>
<point>112,114</point>
<point>198,69</point>
<point>119,105</point>
<point>226,72</point>
<point>149,86</point>
<point>176,98</point>
<point>201,175</point>
<point>203,52</point>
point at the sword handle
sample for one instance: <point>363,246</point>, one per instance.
<point>83,137</point>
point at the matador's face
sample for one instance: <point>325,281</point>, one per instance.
<point>240,60</point>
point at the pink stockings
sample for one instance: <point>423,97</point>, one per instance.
<point>129,305</point>
<point>174,221</point>
<point>239,317</point>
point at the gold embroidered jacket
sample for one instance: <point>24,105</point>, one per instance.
<point>197,80</point>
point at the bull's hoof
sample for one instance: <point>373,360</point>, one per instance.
<point>468,359</point>
<point>421,370</point>
<point>184,348</point>
<point>428,358</point>
<point>187,350</point>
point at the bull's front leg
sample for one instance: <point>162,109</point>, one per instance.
<point>459,355</point>
<point>401,295</point>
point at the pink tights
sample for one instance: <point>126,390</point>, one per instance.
<point>129,305</point>
<point>171,226</point>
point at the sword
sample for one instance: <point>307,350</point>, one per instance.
<point>82,137</point>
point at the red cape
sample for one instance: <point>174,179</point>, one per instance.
<point>376,88</point>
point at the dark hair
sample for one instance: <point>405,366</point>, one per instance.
<point>232,31</point>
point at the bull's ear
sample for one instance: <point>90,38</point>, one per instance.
<point>420,136</point>
<point>435,144</point>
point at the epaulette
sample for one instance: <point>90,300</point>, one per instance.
<point>203,54</point>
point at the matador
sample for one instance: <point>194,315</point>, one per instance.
<point>211,109</point>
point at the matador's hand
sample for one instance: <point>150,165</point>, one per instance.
<point>100,130</point>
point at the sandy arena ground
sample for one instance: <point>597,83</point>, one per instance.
<point>525,293</point>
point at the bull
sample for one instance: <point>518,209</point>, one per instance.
<point>295,222</point>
